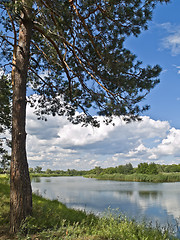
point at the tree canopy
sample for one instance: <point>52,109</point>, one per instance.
<point>77,56</point>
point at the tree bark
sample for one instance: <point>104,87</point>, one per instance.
<point>20,185</point>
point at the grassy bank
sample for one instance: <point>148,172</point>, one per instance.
<point>44,175</point>
<point>137,177</point>
<point>134,177</point>
<point>33,175</point>
<point>53,220</point>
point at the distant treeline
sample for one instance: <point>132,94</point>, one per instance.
<point>143,168</point>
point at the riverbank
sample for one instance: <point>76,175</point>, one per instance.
<point>53,220</point>
<point>32,175</point>
<point>137,177</point>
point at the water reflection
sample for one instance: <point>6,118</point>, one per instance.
<point>149,194</point>
<point>153,201</point>
<point>47,180</point>
<point>36,179</point>
<point>127,193</point>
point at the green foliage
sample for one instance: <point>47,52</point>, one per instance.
<point>146,168</point>
<point>144,172</point>
<point>139,177</point>
<point>126,169</point>
<point>4,203</point>
<point>48,171</point>
<point>38,169</point>
<point>49,214</point>
<point>98,170</point>
<point>142,168</point>
<point>170,168</point>
<point>5,102</point>
<point>5,119</point>
<point>5,162</point>
<point>119,227</point>
<point>31,170</point>
<point>109,170</point>
<point>152,168</point>
<point>109,227</point>
<point>53,173</point>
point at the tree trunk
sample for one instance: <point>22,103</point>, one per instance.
<point>20,185</point>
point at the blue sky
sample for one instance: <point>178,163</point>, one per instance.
<point>161,45</point>
<point>57,144</point>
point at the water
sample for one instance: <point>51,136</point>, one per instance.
<point>156,202</point>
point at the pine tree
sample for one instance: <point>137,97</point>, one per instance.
<point>72,54</point>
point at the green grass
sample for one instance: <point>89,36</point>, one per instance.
<point>4,205</point>
<point>137,177</point>
<point>53,220</point>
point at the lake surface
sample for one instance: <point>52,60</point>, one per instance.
<point>153,201</point>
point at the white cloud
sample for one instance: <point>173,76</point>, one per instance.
<point>178,68</point>
<point>170,145</point>
<point>172,41</point>
<point>58,144</point>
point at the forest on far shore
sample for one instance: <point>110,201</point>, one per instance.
<point>127,169</point>
<point>144,172</point>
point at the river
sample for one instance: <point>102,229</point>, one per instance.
<point>156,202</point>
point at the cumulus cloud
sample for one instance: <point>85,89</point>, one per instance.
<point>170,145</point>
<point>172,41</point>
<point>58,144</point>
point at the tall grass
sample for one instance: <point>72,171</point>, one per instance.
<point>105,228</point>
<point>138,177</point>
<point>4,204</point>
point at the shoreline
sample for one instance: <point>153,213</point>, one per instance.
<point>158,178</point>
<point>135,177</point>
